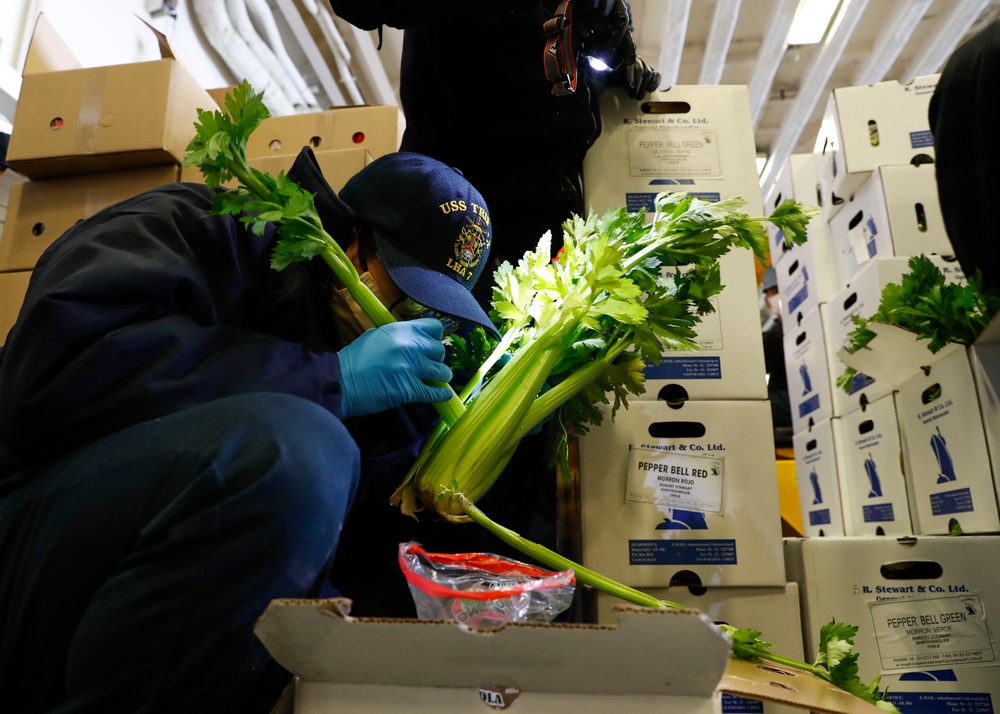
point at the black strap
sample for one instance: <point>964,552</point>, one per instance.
<point>558,56</point>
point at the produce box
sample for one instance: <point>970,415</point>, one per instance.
<point>699,140</point>
<point>798,180</point>
<point>818,479</point>
<point>689,491</point>
<point>947,461</point>
<point>922,608</point>
<point>870,468</point>
<point>895,212</point>
<point>337,165</point>
<point>861,297</point>
<point>374,128</point>
<point>807,276</point>
<point>41,211</point>
<point>772,611</point>
<point>650,661</point>
<point>868,126</point>
<point>13,286</point>
<point>72,120</point>
<point>808,373</point>
<point>984,356</point>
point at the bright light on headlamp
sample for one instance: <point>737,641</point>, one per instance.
<point>597,64</point>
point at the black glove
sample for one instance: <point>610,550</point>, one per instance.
<point>637,77</point>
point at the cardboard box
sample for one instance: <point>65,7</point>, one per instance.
<point>690,490</point>
<point>868,126</point>
<point>41,211</point>
<point>72,120</point>
<point>799,180</point>
<point>729,361</point>
<point>861,297</point>
<point>369,666</point>
<point>337,165</point>
<point>699,140</point>
<point>374,128</point>
<point>818,479</point>
<point>807,275</point>
<point>895,212</point>
<point>772,611</point>
<point>922,607</point>
<point>870,469</point>
<point>13,286</point>
<point>808,373</point>
<point>947,461</point>
<point>984,357</point>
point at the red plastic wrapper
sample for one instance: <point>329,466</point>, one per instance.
<point>483,591</point>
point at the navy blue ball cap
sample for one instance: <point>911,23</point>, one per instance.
<point>432,230</point>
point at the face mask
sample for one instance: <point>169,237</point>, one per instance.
<point>407,308</point>
<point>350,319</point>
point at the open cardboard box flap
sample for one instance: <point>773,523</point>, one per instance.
<point>656,653</point>
<point>48,51</point>
<point>893,355</point>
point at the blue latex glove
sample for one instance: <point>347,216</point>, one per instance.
<point>387,366</point>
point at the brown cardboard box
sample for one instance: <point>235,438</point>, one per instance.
<point>12,289</point>
<point>41,211</point>
<point>73,120</point>
<point>366,127</point>
<point>650,661</point>
<point>337,165</point>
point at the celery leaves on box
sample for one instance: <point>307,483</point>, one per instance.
<point>925,303</point>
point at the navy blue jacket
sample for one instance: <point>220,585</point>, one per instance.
<point>151,306</point>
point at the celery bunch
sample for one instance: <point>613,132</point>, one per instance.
<point>589,319</point>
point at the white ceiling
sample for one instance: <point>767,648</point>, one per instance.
<point>867,41</point>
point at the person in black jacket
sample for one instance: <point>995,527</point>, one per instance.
<point>183,430</point>
<point>963,118</point>
<point>509,93</point>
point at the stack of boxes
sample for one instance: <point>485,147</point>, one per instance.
<point>86,138</point>
<point>679,493</point>
<point>894,460</point>
<point>874,182</point>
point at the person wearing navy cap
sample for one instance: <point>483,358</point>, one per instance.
<point>183,430</point>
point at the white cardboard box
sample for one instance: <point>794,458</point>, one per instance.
<point>799,180</point>
<point>985,360</point>
<point>819,486</point>
<point>860,297</point>
<point>652,661</point>
<point>946,457</point>
<point>869,459</point>
<point>772,611</point>
<point>692,489</point>
<point>868,126</point>
<point>895,212</point>
<point>922,607</point>
<point>808,372</point>
<point>807,275</point>
<point>699,140</point>
<point>725,365</point>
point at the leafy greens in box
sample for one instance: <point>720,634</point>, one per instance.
<point>588,317</point>
<point>928,305</point>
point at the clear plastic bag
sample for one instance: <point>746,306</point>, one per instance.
<point>483,591</point>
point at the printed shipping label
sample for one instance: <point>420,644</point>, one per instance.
<point>665,478</point>
<point>924,633</point>
<point>659,151</point>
